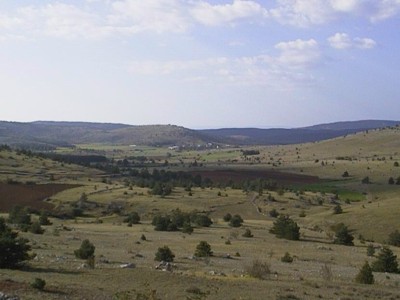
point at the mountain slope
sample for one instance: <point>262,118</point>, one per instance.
<point>47,135</point>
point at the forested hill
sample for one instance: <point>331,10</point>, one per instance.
<point>45,134</point>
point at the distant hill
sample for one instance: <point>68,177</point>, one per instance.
<point>281,136</point>
<point>50,134</point>
<point>47,134</point>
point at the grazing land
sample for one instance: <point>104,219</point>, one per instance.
<point>304,181</point>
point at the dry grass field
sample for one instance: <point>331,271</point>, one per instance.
<point>320,269</point>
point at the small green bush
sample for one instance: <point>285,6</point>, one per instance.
<point>337,209</point>
<point>287,258</point>
<point>247,233</point>
<point>38,284</point>
<point>227,217</point>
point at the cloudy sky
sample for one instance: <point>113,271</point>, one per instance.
<point>200,63</point>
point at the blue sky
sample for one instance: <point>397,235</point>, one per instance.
<point>200,64</point>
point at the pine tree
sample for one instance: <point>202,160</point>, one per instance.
<point>343,236</point>
<point>365,275</point>
<point>13,249</point>
<point>386,261</point>
<point>286,228</point>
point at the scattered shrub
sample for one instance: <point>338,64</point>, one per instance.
<point>259,269</point>
<point>203,249</point>
<point>227,217</point>
<point>370,250</point>
<point>143,237</point>
<point>36,228</point>
<point>365,180</point>
<point>203,221</point>
<point>287,258</point>
<point>44,219</point>
<point>187,228</point>
<point>164,254</point>
<point>236,221</point>
<point>85,251</point>
<point>273,213</point>
<point>337,209</point>
<point>38,284</point>
<point>247,233</point>
<point>132,218</point>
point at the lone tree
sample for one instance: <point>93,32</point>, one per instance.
<point>386,261</point>
<point>13,249</point>
<point>203,249</point>
<point>343,236</point>
<point>164,254</point>
<point>86,250</point>
<point>286,228</point>
<point>365,275</point>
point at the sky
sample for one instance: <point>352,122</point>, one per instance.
<point>200,64</point>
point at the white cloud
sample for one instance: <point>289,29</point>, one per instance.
<point>291,66</point>
<point>364,43</point>
<point>344,41</point>
<point>150,15</point>
<point>345,5</point>
<point>305,13</point>
<point>298,53</point>
<point>62,21</point>
<point>7,22</point>
<point>340,41</point>
<point>212,15</point>
<point>302,13</point>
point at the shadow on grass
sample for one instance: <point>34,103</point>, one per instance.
<point>49,270</point>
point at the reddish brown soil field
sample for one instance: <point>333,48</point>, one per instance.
<point>29,195</point>
<point>238,176</point>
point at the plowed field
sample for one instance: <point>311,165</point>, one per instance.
<point>32,196</point>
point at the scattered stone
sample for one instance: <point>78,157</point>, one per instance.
<point>215,273</point>
<point>4,296</point>
<point>164,266</point>
<point>127,266</point>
